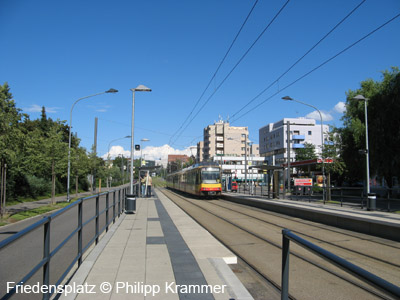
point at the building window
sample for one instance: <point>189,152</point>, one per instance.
<point>310,133</point>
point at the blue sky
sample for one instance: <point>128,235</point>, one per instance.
<point>54,52</point>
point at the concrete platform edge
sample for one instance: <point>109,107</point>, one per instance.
<point>367,226</point>
<point>235,286</point>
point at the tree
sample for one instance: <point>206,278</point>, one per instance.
<point>79,166</point>
<point>306,153</point>
<point>10,139</point>
<point>332,150</point>
<point>54,156</point>
<point>383,126</point>
<point>96,166</point>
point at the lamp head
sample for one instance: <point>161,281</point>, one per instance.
<point>360,97</point>
<point>112,91</point>
<point>287,98</point>
<point>141,88</point>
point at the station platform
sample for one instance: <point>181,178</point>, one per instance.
<point>377,223</point>
<point>159,252</point>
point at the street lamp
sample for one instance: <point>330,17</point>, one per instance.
<point>371,205</point>
<point>141,150</point>
<point>108,156</point>
<point>287,98</point>
<point>69,137</point>
<point>139,88</point>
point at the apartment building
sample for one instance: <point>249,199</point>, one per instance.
<point>200,150</point>
<point>223,139</point>
<point>273,138</point>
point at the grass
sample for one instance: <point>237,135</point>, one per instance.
<point>159,182</point>
<point>8,219</point>
<point>29,199</point>
<point>330,201</point>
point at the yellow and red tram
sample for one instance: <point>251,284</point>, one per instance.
<point>201,180</point>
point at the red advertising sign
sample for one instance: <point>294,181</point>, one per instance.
<point>303,181</point>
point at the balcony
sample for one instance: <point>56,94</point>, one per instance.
<point>298,146</point>
<point>298,137</point>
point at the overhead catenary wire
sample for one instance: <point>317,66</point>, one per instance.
<point>138,127</point>
<point>298,60</point>
<point>319,66</point>
<point>216,71</point>
<point>235,66</point>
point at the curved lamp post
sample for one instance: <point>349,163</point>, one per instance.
<point>141,150</point>
<point>287,98</point>
<point>69,137</point>
<point>140,88</point>
<point>371,205</point>
<point>108,156</point>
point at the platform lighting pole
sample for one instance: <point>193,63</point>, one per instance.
<point>69,137</point>
<point>362,98</point>
<point>287,98</point>
<point>141,149</point>
<point>141,152</point>
<point>108,153</point>
<point>140,88</point>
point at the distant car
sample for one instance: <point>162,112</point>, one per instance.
<point>234,187</point>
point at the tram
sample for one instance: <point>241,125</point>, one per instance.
<point>202,180</point>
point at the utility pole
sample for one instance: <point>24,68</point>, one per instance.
<point>95,152</point>
<point>288,155</point>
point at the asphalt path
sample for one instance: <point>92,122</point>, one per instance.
<point>17,259</point>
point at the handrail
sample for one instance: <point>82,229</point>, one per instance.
<point>117,208</point>
<point>345,265</point>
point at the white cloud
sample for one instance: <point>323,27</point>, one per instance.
<point>340,107</point>
<point>34,108</point>
<point>151,153</point>
<point>326,117</point>
<point>115,151</point>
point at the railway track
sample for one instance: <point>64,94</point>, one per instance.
<point>254,235</point>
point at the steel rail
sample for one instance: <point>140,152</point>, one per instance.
<point>280,247</point>
<point>379,283</point>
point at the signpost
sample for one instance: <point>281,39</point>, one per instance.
<point>303,186</point>
<point>303,182</point>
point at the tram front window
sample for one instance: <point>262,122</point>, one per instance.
<point>210,175</point>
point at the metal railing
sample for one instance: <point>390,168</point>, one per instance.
<point>287,236</point>
<point>387,199</point>
<point>117,208</point>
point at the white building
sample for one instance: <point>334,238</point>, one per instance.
<point>235,167</point>
<point>273,138</point>
<point>223,139</point>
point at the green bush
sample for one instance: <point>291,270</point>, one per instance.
<point>317,189</point>
<point>37,186</point>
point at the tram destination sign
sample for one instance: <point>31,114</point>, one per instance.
<point>303,181</point>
